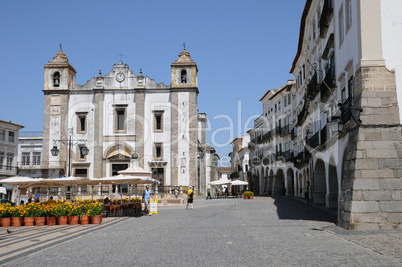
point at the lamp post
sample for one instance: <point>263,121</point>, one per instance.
<point>335,124</point>
<point>69,142</point>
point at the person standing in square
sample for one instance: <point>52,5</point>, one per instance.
<point>146,197</point>
<point>190,197</point>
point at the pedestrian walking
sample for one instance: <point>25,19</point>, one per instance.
<point>146,197</point>
<point>209,194</point>
<point>190,197</point>
<point>307,193</point>
<point>176,192</point>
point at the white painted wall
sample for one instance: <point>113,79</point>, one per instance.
<point>391,23</point>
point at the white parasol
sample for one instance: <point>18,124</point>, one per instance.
<point>238,182</point>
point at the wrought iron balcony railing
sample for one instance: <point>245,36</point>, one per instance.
<point>313,87</point>
<point>330,81</point>
<point>326,16</point>
<point>314,141</point>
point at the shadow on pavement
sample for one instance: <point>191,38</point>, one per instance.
<point>294,209</point>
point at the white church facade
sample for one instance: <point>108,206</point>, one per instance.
<point>95,129</point>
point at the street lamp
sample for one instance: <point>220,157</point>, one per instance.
<point>335,124</point>
<point>70,142</point>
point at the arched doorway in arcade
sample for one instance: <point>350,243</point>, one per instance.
<point>319,186</point>
<point>332,196</point>
<point>290,183</point>
<point>279,183</point>
<point>265,184</point>
<point>300,188</point>
<point>270,182</point>
<point>254,186</point>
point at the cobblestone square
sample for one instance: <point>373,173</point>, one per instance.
<point>219,232</point>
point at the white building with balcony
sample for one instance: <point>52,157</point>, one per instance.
<point>344,115</point>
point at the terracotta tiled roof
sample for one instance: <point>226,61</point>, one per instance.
<point>12,123</point>
<point>184,59</point>
<point>60,60</point>
<point>270,90</point>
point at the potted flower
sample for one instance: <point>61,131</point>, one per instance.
<point>61,213</point>
<point>29,212</point>
<point>74,212</point>
<point>39,214</point>
<point>95,212</point>
<point>84,218</point>
<point>16,217</point>
<point>248,195</point>
<point>50,212</point>
<point>5,214</point>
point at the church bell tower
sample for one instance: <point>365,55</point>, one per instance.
<point>184,110</point>
<point>59,79</point>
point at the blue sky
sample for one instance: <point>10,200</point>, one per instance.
<point>242,49</point>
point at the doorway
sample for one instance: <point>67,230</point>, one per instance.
<point>115,171</point>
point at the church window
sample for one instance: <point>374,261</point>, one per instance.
<point>81,123</point>
<point>158,150</point>
<point>56,79</point>
<point>158,121</point>
<point>183,76</point>
<point>120,116</point>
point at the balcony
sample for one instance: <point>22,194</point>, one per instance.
<point>303,113</point>
<point>345,111</point>
<point>314,141</point>
<point>286,130</point>
<point>323,134</point>
<point>288,155</point>
<point>278,155</point>
<point>267,136</point>
<point>330,81</point>
<point>293,133</point>
<point>278,130</point>
<point>301,158</point>
<point>313,88</point>
<point>326,16</point>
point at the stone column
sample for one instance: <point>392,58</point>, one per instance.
<point>372,185</point>
<point>174,139</point>
<point>98,166</point>
<point>139,125</point>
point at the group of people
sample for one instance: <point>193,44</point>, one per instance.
<point>147,194</point>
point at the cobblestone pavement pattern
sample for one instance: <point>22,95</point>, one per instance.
<point>220,232</point>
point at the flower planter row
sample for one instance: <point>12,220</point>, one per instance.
<point>248,197</point>
<point>40,221</point>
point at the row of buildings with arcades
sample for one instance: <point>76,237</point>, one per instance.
<point>333,133</point>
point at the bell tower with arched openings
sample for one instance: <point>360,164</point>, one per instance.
<point>184,114</point>
<point>59,79</point>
